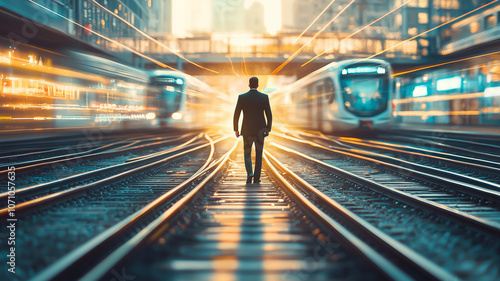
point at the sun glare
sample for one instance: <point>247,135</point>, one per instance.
<point>272,14</point>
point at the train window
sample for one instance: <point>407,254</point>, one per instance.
<point>423,18</point>
<point>329,90</point>
<point>423,3</point>
<point>490,21</point>
<point>475,27</point>
<point>363,95</point>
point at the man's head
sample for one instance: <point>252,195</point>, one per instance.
<point>253,83</point>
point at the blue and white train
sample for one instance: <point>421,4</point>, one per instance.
<point>180,100</point>
<point>350,95</point>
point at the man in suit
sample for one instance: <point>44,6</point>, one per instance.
<point>254,129</point>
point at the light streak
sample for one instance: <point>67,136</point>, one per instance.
<point>310,40</point>
<point>440,98</point>
<point>320,14</point>
<point>152,39</point>
<point>434,28</point>
<point>437,113</point>
<point>475,67</point>
<point>359,30</point>
<point>444,63</point>
<point>232,66</point>
<point>245,66</point>
<point>35,91</point>
<point>54,70</point>
<point>107,38</point>
<point>42,49</point>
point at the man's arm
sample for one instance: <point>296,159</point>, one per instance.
<point>236,117</point>
<point>269,115</point>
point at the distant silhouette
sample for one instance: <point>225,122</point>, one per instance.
<point>254,129</point>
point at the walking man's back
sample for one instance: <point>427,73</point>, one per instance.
<point>257,122</point>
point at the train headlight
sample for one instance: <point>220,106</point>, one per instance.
<point>177,116</point>
<point>380,70</point>
<point>150,116</point>
<point>179,81</point>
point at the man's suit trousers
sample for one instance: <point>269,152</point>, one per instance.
<point>248,141</point>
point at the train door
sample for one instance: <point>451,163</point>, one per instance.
<point>319,108</point>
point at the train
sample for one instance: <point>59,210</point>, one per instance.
<point>77,90</point>
<point>348,96</point>
<point>180,100</point>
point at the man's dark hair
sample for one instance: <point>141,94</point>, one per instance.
<point>254,82</point>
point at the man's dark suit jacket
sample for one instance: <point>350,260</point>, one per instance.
<point>254,105</point>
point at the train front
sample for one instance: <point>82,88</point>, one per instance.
<point>167,98</point>
<point>366,95</point>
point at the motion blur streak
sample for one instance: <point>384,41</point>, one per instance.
<point>440,98</point>
<point>320,14</point>
<point>245,70</point>
<point>475,67</point>
<point>359,30</point>
<point>152,39</point>
<point>445,63</point>
<point>42,49</point>
<point>232,66</point>
<point>312,38</point>
<point>109,39</point>
<point>52,70</point>
<point>437,113</point>
<point>434,28</point>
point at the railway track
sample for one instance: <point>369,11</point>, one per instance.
<point>46,177</point>
<point>225,228</point>
<point>23,150</point>
<point>473,170</point>
<point>69,151</point>
<point>371,185</point>
<point>483,146</point>
<point>481,205</point>
<point>62,221</point>
<point>319,214</point>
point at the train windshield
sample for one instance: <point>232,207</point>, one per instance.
<point>365,95</point>
<point>169,97</point>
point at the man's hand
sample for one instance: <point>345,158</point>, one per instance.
<point>266,133</point>
<point>237,134</point>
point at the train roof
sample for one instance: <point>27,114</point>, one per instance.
<point>319,73</point>
<point>109,68</point>
<point>190,80</point>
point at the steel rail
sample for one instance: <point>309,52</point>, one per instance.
<point>452,147</point>
<point>418,151</point>
<point>33,164</point>
<point>101,260</point>
<point>427,270</point>
<point>108,146</point>
<point>463,141</point>
<point>55,197</point>
<point>6,155</point>
<point>32,190</point>
<point>436,155</point>
<point>490,192</point>
<point>488,226</point>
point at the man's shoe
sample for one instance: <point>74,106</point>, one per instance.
<point>256,181</point>
<point>249,179</point>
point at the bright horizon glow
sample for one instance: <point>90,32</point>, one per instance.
<point>272,14</point>
<point>181,18</point>
<point>178,18</point>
